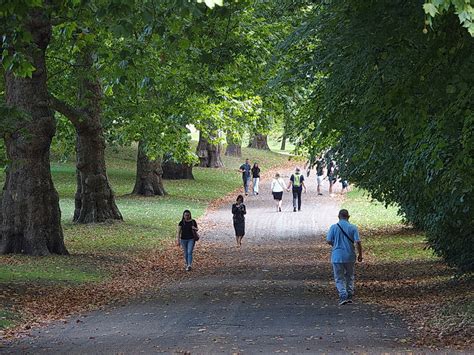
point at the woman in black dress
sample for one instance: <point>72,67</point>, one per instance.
<point>186,236</point>
<point>239,211</point>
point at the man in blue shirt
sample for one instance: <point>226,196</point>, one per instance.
<point>245,170</point>
<point>344,237</point>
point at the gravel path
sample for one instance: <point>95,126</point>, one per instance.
<point>273,295</point>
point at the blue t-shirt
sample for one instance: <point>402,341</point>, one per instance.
<point>245,170</point>
<point>343,251</point>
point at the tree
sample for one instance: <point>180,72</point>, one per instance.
<point>395,110</point>
<point>259,141</point>
<point>30,215</point>
<point>94,200</point>
<point>233,148</point>
<point>149,178</point>
<point>209,153</point>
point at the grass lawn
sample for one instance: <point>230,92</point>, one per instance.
<point>383,234</point>
<point>149,223</point>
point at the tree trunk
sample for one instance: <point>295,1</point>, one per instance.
<point>259,141</point>
<point>173,170</point>
<point>149,180</point>
<point>283,142</point>
<point>94,199</point>
<point>209,154</point>
<point>234,148</point>
<point>30,217</point>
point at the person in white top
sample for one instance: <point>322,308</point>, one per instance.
<point>278,186</point>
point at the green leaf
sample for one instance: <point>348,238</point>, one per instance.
<point>430,9</point>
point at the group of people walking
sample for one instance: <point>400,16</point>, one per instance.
<point>342,236</point>
<point>250,173</point>
<point>332,173</point>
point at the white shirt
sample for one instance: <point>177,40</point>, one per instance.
<point>278,185</point>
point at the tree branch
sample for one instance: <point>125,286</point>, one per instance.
<point>76,116</point>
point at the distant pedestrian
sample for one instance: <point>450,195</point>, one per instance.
<point>320,165</point>
<point>187,229</point>
<point>239,211</point>
<point>310,164</point>
<point>332,175</point>
<point>245,170</point>
<point>297,184</point>
<point>342,237</point>
<point>255,177</point>
<point>278,185</point>
<point>345,186</point>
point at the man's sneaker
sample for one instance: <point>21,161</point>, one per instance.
<point>320,194</point>
<point>343,301</point>
<point>349,301</point>
<point>294,209</point>
<point>188,268</point>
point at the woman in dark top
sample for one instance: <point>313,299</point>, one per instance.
<point>239,211</point>
<point>185,237</point>
<point>255,178</point>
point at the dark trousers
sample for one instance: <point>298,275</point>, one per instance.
<point>297,198</point>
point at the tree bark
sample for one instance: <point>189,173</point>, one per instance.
<point>259,141</point>
<point>149,179</point>
<point>233,148</point>
<point>283,141</point>
<point>209,154</point>
<point>94,199</point>
<point>173,170</point>
<point>30,217</point>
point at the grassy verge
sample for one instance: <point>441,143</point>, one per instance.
<point>102,252</point>
<point>387,239</point>
<point>404,275</point>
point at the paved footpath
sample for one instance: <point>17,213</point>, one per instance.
<point>273,295</point>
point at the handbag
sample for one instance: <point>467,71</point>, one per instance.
<point>195,235</point>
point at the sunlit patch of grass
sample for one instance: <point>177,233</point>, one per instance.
<point>7,318</point>
<point>399,247</point>
<point>51,268</point>
<point>370,214</point>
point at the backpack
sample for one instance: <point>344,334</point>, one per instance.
<point>296,180</point>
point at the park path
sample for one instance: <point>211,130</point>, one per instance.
<point>273,295</point>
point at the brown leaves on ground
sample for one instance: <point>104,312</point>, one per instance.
<point>132,276</point>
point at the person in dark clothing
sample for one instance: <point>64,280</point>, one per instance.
<point>185,237</point>
<point>239,211</point>
<point>320,165</point>
<point>245,170</point>
<point>297,185</point>
<point>332,175</point>
<point>255,178</point>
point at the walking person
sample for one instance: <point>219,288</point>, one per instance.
<point>255,177</point>
<point>187,229</point>
<point>297,184</point>
<point>245,170</point>
<point>344,238</point>
<point>332,175</point>
<point>320,164</point>
<point>239,211</point>
<point>278,185</point>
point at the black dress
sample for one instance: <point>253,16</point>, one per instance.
<point>239,219</point>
